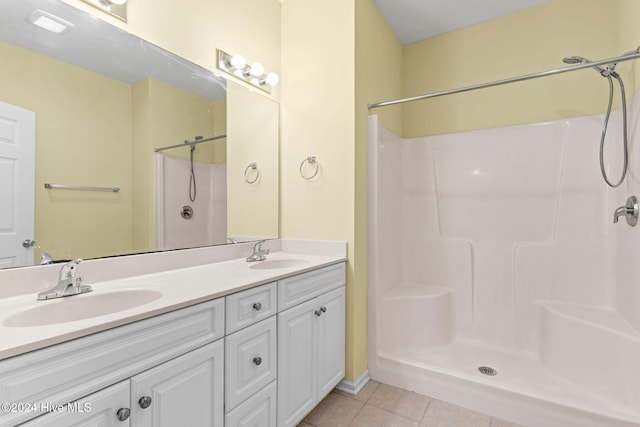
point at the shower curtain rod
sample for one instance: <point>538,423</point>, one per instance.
<point>190,143</point>
<point>622,58</point>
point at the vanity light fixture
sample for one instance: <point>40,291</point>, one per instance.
<point>117,8</point>
<point>49,22</point>
<point>254,74</point>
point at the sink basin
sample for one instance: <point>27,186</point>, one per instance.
<point>270,264</point>
<point>79,307</point>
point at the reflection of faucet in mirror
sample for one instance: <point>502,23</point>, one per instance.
<point>68,283</point>
<point>46,259</point>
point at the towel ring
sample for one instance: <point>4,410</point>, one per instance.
<point>312,161</point>
<point>252,166</point>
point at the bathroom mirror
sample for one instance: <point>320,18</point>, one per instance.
<point>99,102</point>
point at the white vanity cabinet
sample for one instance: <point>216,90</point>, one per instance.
<point>184,391</point>
<point>143,353</point>
<point>261,357</point>
<point>311,340</point>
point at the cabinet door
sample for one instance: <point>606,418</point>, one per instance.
<point>185,391</point>
<point>297,353</point>
<point>331,331</point>
<point>99,409</point>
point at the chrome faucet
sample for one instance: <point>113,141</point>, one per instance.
<point>68,283</point>
<point>258,254</point>
<point>630,211</point>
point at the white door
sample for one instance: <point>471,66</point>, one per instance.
<point>17,153</point>
<point>187,391</point>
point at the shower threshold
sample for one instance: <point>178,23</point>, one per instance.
<point>522,390</point>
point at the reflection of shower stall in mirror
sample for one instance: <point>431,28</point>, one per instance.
<point>180,222</point>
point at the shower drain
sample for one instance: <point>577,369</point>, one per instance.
<point>487,370</point>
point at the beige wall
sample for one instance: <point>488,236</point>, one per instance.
<point>252,209</point>
<point>527,42</point>
<point>317,118</point>
<point>83,137</point>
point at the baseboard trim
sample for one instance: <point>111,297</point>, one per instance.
<point>354,387</point>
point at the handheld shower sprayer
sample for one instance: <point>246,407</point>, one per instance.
<point>609,74</point>
<point>573,60</point>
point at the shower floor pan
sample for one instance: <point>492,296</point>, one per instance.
<point>585,375</point>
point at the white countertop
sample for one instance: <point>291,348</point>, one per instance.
<point>179,288</point>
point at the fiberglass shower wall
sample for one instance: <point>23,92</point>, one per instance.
<point>208,224</point>
<point>490,216</point>
<point>497,247</point>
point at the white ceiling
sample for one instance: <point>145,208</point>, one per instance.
<point>415,20</point>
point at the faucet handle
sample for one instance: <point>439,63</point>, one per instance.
<point>68,270</point>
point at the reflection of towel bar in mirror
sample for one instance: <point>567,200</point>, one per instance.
<point>80,187</point>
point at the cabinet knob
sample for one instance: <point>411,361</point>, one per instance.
<point>323,309</point>
<point>144,402</point>
<point>257,360</point>
<point>123,414</point>
<point>319,312</point>
<point>257,306</point>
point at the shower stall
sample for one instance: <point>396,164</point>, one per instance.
<point>498,280</point>
<point>191,200</point>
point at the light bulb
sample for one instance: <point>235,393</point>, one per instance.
<point>272,79</point>
<point>257,69</point>
<point>238,61</point>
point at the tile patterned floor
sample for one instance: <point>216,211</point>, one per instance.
<point>380,405</point>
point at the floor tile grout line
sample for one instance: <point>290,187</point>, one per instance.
<point>395,414</point>
<point>357,413</point>
<point>424,416</point>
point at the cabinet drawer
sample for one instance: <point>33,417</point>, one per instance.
<point>248,307</point>
<point>97,409</point>
<point>250,361</point>
<point>303,287</point>
<point>258,411</point>
<point>77,368</point>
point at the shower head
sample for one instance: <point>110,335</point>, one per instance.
<point>572,60</point>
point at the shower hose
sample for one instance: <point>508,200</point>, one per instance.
<point>624,131</point>
<point>192,178</point>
